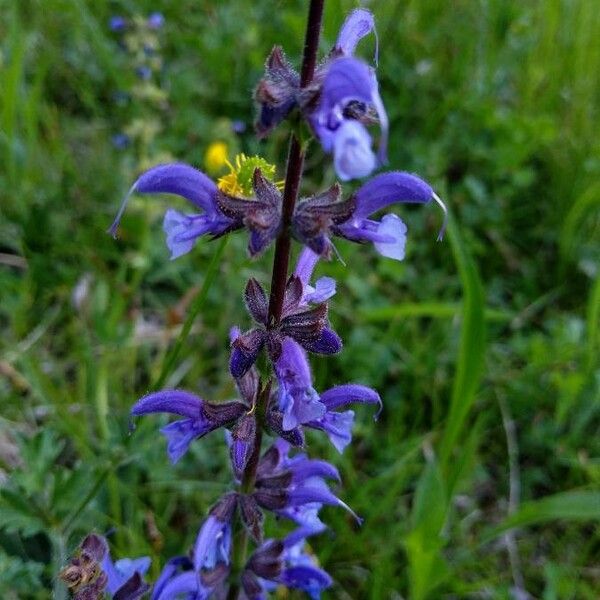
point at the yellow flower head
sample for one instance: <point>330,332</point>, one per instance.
<point>238,182</point>
<point>215,157</point>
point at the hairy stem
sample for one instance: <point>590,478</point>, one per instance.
<point>295,162</point>
<point>293,175</point>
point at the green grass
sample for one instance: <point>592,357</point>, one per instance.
<point>495,103</point>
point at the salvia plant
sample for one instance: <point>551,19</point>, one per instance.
<point>144,98</point>
<point>336,100</point>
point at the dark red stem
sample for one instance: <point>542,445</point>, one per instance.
<point>293,175</point>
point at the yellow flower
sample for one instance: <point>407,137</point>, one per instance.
<point>238,182</point>
<point>215,157</point>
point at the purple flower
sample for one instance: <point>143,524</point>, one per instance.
<point>201,417</point>
<point>179,580</point>
<point>319,217</point>
<point>324,288</point>
<point>155,20</point>
<point>358,24</point>
<point>182,585</point>
<point>193,185</point>
<point>121,141</point>
<point>238,126</point>
<point>144,72</point>
<point>353,157</point>
<point>338,425</point>
<point>348,96</point>
<point>298,401</point>
<point>307,326</point>
<point>213,544</point>
<point>221,214</point>
<point>284,563</point>
<point>125,574</point>
<point>301,570</point>
<point>389,234</point>
<point>295,487</point>
<point>341,100</point>
<point>171,572</point>
<point>117,23</point>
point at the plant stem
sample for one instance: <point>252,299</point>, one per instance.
<point>295,162</point>
<point>293,175</point>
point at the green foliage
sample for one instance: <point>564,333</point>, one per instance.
<point>495,103</point>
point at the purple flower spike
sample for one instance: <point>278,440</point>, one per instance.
<point>193,185</point>
<point>358,24</point>
<point>201,417</point>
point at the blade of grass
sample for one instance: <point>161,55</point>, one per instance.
<point>471,351</point>
<point>593,326</point>
<point>581,211</point>
<point>434,310</point>
<point>572,506</point>
<point>172,356</point>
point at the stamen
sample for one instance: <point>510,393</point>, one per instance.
<point>113,228</point>
<point>440,236</point>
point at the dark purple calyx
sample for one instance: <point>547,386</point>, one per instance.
<point>276,93</point>
<point>308,326</point>
<point>260,215</point>
<point>252,517</point>
<point>315,217</point>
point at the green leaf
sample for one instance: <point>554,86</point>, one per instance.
<point>427,568</point>
<point>570,506</point>
<point>593,326</point>
<point>429,503</point>
<point>433,310</point>
<point>471,351</point>
<point>18,515</point>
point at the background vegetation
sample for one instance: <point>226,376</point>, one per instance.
<point>484,347</point>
